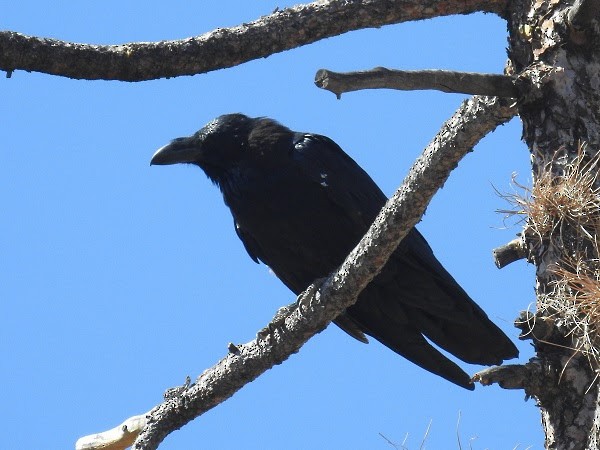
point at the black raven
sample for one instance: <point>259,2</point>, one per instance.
<point>300,204</point>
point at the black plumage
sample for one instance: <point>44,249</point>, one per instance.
<point>300,204</point>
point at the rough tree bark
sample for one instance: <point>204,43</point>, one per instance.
<point>560,114</point>
<point>554,58</point>
<point>554,48</point>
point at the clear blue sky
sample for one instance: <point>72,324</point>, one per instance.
<point>118,279</point>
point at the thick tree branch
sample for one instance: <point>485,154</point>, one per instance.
<point>441,80</point>
<point>223,47</point>
<point>322,302</point>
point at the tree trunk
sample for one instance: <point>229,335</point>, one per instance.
<point>555,52</point>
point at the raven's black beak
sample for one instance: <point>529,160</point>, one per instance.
<point>180,150</point>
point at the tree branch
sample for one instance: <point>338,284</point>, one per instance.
<point>322,302</point>
<point>441,80</point>
<point>510,376</point>
<point>510,252</point>
<point>223,47</point>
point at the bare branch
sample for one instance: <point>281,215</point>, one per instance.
<point>321,303</point>
<point>441,80</point>
<point>511,376</point>
<point>223,47</point>
<point>511,252</point>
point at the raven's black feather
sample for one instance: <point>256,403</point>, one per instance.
<point>300,204</point>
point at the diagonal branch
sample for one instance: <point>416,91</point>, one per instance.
<point>410,80</point>
<point>223,47</point>
<point>324,301</point>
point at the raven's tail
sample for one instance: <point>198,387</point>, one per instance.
<point>406,341</point>
<point>414,299</point>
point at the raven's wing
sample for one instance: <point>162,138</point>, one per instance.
<point>350,191</point>
<point>413,295</point>
<point>250,244</point>
<point>318,160</point>
<point>344,182</point>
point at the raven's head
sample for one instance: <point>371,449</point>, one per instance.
<point>216,147</point>
<point>227,145</point>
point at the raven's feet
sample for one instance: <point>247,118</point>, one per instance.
<point>284,312</point>
<point>277,321</point>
